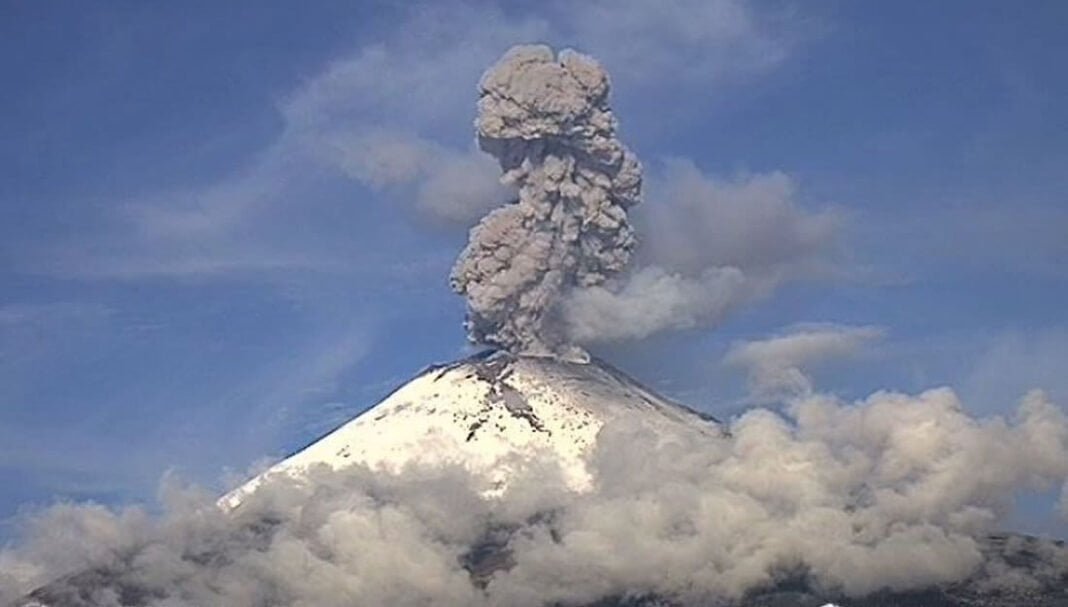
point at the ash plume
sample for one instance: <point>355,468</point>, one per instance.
<point>546,120</point>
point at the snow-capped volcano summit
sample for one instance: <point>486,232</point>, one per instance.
<point>488,411</point>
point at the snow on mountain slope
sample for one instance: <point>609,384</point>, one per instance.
<point>487,410</point>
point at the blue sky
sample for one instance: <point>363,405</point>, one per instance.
<point>225,229</point>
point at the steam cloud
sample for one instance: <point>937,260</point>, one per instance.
<point>894,491</point>
<point>547,122</point>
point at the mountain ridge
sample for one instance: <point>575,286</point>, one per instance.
<point>486,408</point>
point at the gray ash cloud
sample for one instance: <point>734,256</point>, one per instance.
<point>546,120</point>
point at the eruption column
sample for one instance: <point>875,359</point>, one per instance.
<point>547,121</point>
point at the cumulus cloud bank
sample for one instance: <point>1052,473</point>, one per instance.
<point>894,491</point>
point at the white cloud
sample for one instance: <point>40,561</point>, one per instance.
<point>778,366</point>
<point>684,42</point>
<point>895,491</point>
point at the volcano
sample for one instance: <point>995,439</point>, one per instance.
<point>489,411</point>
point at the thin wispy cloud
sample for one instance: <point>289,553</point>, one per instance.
<point>390,119</point>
